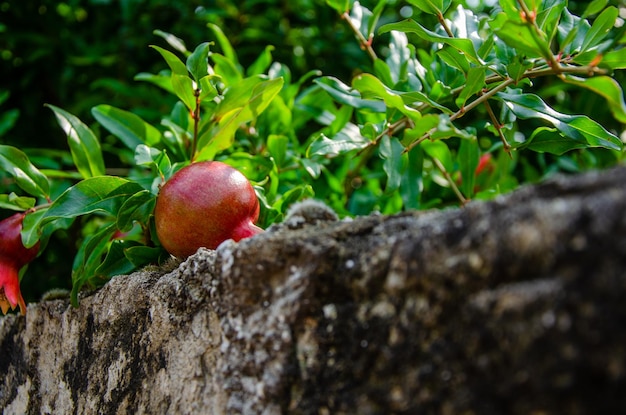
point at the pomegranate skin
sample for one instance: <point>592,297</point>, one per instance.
<point>202,205</point>
<point>13,256</point>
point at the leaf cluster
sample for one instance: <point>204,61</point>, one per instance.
<point>466,108</point>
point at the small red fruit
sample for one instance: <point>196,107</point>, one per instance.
<point>202,205</point>
<point>13,256</point>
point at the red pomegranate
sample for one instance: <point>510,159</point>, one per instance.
<point>204,204</point>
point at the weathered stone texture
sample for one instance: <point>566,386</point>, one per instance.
<point>512,306</point>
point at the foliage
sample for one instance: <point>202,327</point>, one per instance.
<point>468,106</point>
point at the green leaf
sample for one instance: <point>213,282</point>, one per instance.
<point>16,163</point>
<point>261,63</point>
<point>411,26</point>
<point>468,157</point>
<point>427,123</point>
<point>116,262</point>
<point>548,16</point>
<point>88,258</point>
<point>343,94</point>
<point>163,81</point>
<point>370,86</point>
<point>475,83</point>
<point>577,127</point>
<point>141,255</point>
<point>412,180</point>
<point>431,6</point>
<point>594,7</point>
<point>277,146</point>
<point>606,87</point>
<point>222,136</point>
<point>549,140</point>
<point>176,65</point>
<point>227,49</point>
<point>15,202</point>
<point>230,73</point>
<point>454,58</point>
<point>126,126</point>
<point>184,89</point>
<point>97,194</point>
<point>440,151</point>
<point>519,36</point>
<point>348,139</point>
<point>198,62</point>
<point>600,28</point>
<point>137,208</point>
<point>151,156</point>
<point>391,152</point>
<point>174,41</point>
<point>84,145</point>
<point>341,6</point>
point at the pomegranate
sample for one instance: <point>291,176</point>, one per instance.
<point>13,256</point>
<point>202,205</point>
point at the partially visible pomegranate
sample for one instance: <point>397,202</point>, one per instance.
<point>13,256</point>
<point>202,205</point>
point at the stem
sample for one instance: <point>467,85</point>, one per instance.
<point>462,111</point>
<point>442,21</point>
<point>453,185</point>
<point>496,124</point>
<point>365,43</point>
<point>538,37</point>
<point>196,121</point>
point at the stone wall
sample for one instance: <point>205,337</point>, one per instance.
<point>514,306</point>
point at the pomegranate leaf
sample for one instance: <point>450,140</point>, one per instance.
<point>197,62</point>
<point>467,159</point>
<point>128,127</point>
<point>97,194</point>
<point>137,208</point>
<point>16,163</point>
<point>88,259</point>
<point>223,134</point>
<point>83,143</point>
<point>176,65</point>
<point>576,127</point>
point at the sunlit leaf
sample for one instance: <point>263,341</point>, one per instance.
<point>97,194</point>
<point>128,127</point>
<point>576,127</point>
<point>606,87</point>
<point>391,152</point>
<point>227,49</point>
<point>344,94</point>
<point>15,202</point>
<point>600,28</point>
<point>440,151</point>
<point>184,89</point>
<point>197,62</point>
<point>475,83</point>
<point>411,26</point>
<point>176,65</point>
<point>174,41</point>
<point>370,86</point>
<point>84,145</point>
<point>16,163</point>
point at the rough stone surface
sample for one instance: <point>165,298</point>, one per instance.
<point>514,306</point>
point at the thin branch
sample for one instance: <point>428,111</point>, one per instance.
<point>366,44</point>
<point>498,127</point>
<point>196,121</point>
<point>442,21</point>
<point>450,180</point>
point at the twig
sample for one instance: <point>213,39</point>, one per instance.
<point>450,180</point>
<point>365,43</point>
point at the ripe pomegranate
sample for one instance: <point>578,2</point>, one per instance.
<point>202,205</point>
<point>13,256</point>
